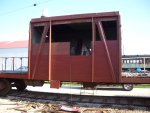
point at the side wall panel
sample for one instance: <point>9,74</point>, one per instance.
<point>60,65</point>
<point>81,68</point>
<point>39,66</point>
<point>102,72</point>
<point>69,68</point>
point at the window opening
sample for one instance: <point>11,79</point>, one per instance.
<point>110,29</point>
<point>124,61</point>
<point>98,38</point>
<point>79,35</point>
<point>37,32</point>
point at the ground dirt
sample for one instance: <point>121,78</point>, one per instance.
<point>8,105</point>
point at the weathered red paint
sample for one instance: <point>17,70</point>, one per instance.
<point>14,75</point>
<point>103,72</point>
<point>135,80</point>
<point>55,84</point>
<point>101,66</point>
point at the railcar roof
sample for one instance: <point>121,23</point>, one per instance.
<point>77,16</point>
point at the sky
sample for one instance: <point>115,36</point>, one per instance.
<point>15,16</point>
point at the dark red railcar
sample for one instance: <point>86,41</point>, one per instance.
<point>83,48</point>
<point>79,48</point>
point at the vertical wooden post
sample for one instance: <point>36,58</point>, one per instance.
<point>21,61</point>
<point>50,49</point>
<point>13,62</point>
<point>54,83</point>
<point>144,63</point>
<point>29,53</point>
<point>93,40</point>
<point>5,63</point>
<point>119,49</point>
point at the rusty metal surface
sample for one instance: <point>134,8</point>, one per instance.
<point>119,48</point>
<point>14,75</point>
<point>101,66</point>
<point>60,69</point>
<point>103,72</point>
<point>81,69</point>
<point>55,84</point>
<point>41,72</point>
<point>78,16</point>
<point>107,51</point>
<point>66,68</point>
<point>62,48</point>
<point>39,56</point>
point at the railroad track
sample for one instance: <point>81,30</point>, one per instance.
<point>56,98</point>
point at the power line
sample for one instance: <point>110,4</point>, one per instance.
<point>23,8</point>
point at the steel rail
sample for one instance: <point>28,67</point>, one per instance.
<point>76,99</point>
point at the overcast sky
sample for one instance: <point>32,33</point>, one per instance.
<point>15,16</point>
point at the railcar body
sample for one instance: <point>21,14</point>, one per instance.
<point>83,48</point>
<point>78,48</point>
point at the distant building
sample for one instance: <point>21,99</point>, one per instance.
<point>14,49</point>
<point>10,53</point>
